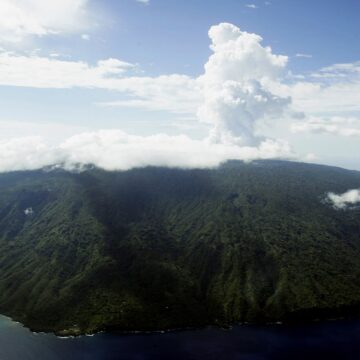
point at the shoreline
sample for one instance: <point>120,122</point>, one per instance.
<point>61,334</point>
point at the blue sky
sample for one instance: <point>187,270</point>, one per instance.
<point>168,36</point>
<point>150,43</point>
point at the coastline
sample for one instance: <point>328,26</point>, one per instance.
<point>334,338</point>
<point>71,333</point>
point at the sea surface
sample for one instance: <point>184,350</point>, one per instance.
<point>338,339</point>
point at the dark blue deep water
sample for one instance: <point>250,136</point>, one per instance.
<point>321,340</point>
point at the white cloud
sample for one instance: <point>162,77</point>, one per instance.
<point>29,211</point>
<point>339,126</point>
<point>176,93</point>
<point>332,91</point>
<point>310,157</point>
<point>339,71</point>
<point>19,70</point>
<point>305,56</point>
<point>234,85</point>
<point>116,150</point>
<point>350,197</point>
<point>146,2</point>
<point>251,6</point>
<point>25,153</point>
<point>22,18</point>
<point>85,37</point>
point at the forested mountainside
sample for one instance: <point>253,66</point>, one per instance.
<point>159,248</point>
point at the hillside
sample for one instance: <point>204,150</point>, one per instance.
<point>158,248</point>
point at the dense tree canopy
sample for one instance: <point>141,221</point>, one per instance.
<point>157,248</point>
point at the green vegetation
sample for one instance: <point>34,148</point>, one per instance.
<point>158,248</point>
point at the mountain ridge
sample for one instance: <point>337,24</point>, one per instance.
<point>157,248</point>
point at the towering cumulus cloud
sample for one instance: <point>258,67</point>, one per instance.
<point>235,85</point>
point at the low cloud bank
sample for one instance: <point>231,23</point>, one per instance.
<point>117,150</point>
<point>342,201</point>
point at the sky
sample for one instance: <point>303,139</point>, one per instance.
<point>125,83</point>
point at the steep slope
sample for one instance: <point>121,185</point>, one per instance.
<point>159,248</point>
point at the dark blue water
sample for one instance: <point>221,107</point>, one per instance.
<point>322,340</point>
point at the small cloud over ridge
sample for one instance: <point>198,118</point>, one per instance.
<point>342,201</point>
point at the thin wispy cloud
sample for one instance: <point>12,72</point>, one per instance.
<point>334,90</point>
<point>339,72</point>
<point>251,6</point>
<point>338,126</point>
<point>305,56</point>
